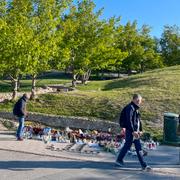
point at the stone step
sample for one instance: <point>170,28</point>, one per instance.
<point>76,148</point>
<point>88,150</point>
<point>7,133</point>
<point>7,136</point>
<point>66,148</point>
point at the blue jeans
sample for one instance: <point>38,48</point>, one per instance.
<point>19,133</point>
<point>127,146</point>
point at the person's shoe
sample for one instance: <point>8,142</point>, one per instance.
<point>119,163</point>
<point>19,139</point>
<point>147,168</point>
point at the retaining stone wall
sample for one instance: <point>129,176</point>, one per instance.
<point>63,121</point>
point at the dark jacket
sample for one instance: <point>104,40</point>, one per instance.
<point>19,109</point>
<point>132,118</point>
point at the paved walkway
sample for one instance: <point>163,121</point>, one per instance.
<point>31,160</point>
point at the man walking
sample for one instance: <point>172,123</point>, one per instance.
<point>19,110</point>
<point>130,119</point>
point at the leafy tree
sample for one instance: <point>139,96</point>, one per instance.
<point>29,37</point>
<point>14,38</point>
<point>44,20</point>
<point>88,43</point>
<point>3,26</point>
<point>150,58</point>
<point>128,41</point>
<point>80,28</point>
<point>108,55</point>
<point>140,47</point>
<point>170,45</point>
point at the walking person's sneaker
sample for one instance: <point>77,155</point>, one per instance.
<point>19,139</point>
<point>147,168</point>
<point>119,163</point>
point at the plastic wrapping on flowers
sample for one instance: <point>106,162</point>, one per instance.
<point>107,141</point>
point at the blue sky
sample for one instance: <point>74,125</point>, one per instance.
<point>155,13</point>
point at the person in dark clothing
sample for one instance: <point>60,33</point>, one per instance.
<point>19,110</point>
<point>132,124</point>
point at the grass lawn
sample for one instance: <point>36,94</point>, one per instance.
<point>104,99</point>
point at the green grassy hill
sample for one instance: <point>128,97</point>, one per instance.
<point>104,99</point>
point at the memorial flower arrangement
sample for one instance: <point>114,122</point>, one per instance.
<point>107,141</point>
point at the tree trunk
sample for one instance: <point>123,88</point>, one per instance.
<point>86,77</point>
<point>142,67</point>
<point>83,80</point>
<point>118,73</point>
<point>18,84</point>
<point>33,88</point>
<point>15,89</point>
<point>14,84</point>
<point>74,80</point>
<point>74,75</point>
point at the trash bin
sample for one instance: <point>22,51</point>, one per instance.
<point>171,122</point>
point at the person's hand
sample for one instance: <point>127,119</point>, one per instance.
<point>124,129</point>
<point>26,114</point>
<point>136,134</point>
<point>140,133</point>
